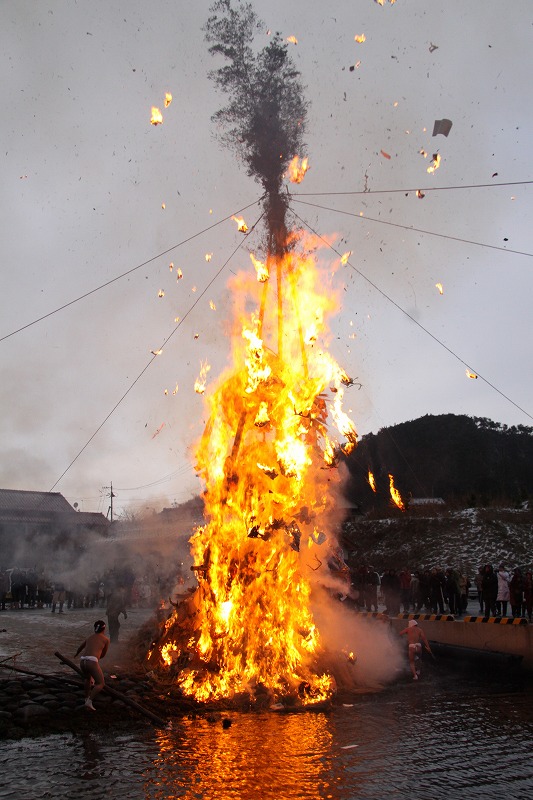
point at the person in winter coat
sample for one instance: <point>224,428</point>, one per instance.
<point>528,595</point>
<point>437,587</point>
<point>489,590</point>
<point>503,596</point>
<point>115,606</point>
<point>516,592</point>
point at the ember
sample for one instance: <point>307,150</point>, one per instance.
<point>157,116</point>
<point>395,494</point>
<point>297,169</point>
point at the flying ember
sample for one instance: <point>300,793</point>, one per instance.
<point>395,494</point>
<point>168,99</point>
<point>241,224</point>
<point>435,163</point>
<point>297,169</point>
<point>157,116</point>
<point>200,382</point>
<point>345,257</point>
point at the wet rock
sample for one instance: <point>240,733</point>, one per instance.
<point>31,711</point>
<point>69,697</point>
<point>43,698</point>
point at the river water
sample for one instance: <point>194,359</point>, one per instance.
<point>464,731</point>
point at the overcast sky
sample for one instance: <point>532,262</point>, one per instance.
<point>85,176</point>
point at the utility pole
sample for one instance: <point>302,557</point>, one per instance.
<point>111,496</point>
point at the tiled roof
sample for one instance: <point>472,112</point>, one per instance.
<point>17,500</point>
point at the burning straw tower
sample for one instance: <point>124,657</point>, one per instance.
<point>267,455</point>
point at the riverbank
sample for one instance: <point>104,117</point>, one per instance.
<point>38,693</point>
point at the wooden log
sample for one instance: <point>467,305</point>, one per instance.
<point>116,694</point>
<point>53,678</point>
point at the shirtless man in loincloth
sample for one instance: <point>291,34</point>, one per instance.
<point>94,648</point>
<point>415,638</point>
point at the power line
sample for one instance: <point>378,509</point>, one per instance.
<point>180,471</point>
<point>139,376</point>
<point>128,272</point>
<point>407,191</point>
<point>406,313</point>
<point>416,230</point>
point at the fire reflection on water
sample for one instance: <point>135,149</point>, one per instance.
<point>222,764</point>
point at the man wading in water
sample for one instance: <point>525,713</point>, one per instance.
<point>94,648</point>
<point>415,638</point>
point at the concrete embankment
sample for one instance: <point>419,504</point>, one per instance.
<point>488,635</point>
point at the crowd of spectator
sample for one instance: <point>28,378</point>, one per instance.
<point>443,591</point>
<point>33,588</point>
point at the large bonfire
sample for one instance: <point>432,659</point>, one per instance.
<point>276,427</point>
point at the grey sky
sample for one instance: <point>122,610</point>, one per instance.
<point>84,177</point>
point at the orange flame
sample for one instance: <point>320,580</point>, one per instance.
<point>435,163</point>
<point>208,256</point>
<point>168,99</point>
<point>360,38</point>
<point>260,268</point>
<point>471,374</point>
<point>297,169</point>
<point>157,116</point>
<point>241,224</point>
<point>200,382</point>
<point>345,257</point>
<point>395,494</point>
<point>266,458</point>
<point>371,481</point>
<point>292,39</point>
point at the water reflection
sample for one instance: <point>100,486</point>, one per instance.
<point>452,736</point>
<point>264,755</point>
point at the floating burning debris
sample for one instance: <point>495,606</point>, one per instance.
<point>241,224</point>
<point>260,268</point>
<point>168,99</point>
<point>435,163</point>
<point>297,169</point>
<point>470,374</point>
<point>395,494</point>
<point>157,116</point>
<point>440,287</point>
<point>200,382</point>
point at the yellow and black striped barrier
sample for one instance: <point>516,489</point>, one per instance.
<point>447,618</point>
<point>498,620</point>
<point>428,617</point>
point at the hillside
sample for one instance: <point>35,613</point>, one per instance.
<point>467,538</point>
<point>467,461</point>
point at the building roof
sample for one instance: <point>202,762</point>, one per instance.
<point>426,501</point>
<point>16,500</point>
